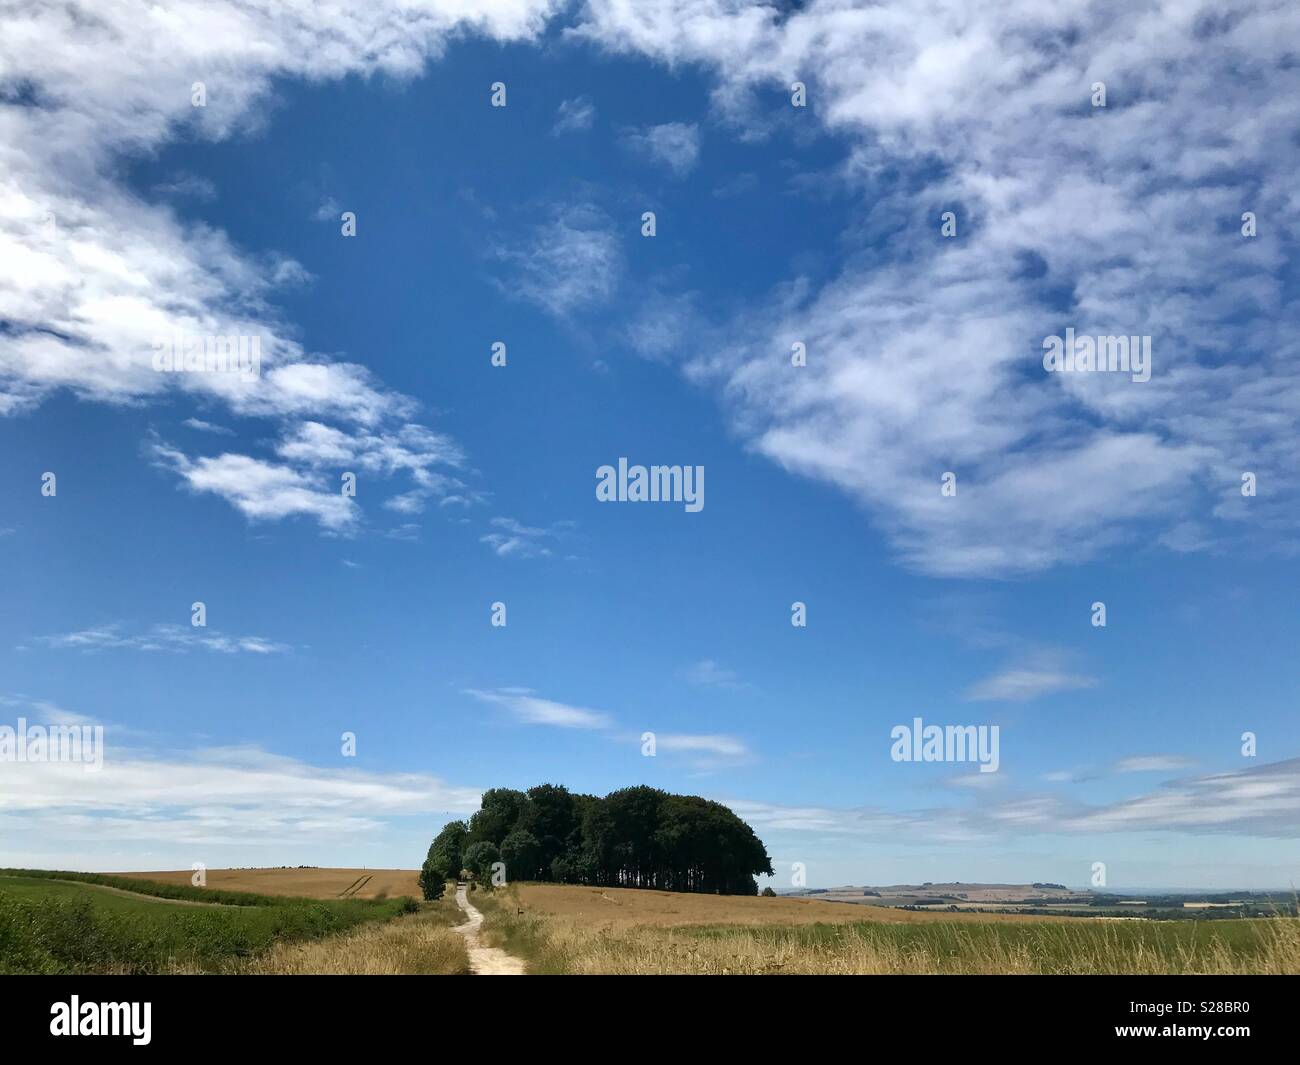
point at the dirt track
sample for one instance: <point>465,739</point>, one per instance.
<point>483,960</point>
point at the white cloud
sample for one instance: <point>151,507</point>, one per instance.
<point>532,710</point>
<point>260,490</point>
<point>177,638</point>
<point>236,797</point>
<point>926,357</point>
<point>568,263</point>
<point>95,274</point>
<point>207,427</point>
<point>704,751</point>
<point>706,673</point>
<point>983,110</point>
<point>1042,675</point>
<point>675,145</point>
<point>1263,801</point>
<point>328,211</point>
<point>573,116</point>
<point>186,186</point>
<point>1153,763</point>
<point>512,539</point>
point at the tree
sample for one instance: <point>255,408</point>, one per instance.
<point>443,862</point>
<point>768,893</point>
<point>633,837</point>
<point>522,854</point>
<point>499,811</point>
<point>479,859</point>
<point>548,815</point>
<point>431,885</point>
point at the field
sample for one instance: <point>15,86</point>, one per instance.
<point>82,923</point>
<point>580,930</point>
<point>147,923</point>
<point>305,883</point>
<point>606,908</point>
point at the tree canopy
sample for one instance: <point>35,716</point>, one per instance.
<point>634,837</point>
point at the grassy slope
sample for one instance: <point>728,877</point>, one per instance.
<point>51,925</point>
<point>421,945</point>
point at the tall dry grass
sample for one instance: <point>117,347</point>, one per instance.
<point>553,944</point>
<point>422,944</point>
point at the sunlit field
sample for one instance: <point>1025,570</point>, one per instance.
<point>563,930</point>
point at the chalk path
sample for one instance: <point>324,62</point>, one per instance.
<point>483,960</point>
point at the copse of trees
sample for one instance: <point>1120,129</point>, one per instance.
<point>635,837</point>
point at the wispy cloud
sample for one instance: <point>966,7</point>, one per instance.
<point>512,539</point>
<point>1041,675</point>
<point>675,145</point>
<point>104,272</point>
<point>568,263</point>
<point>212,797</point>
<point>1153,763</point>
<point>704,751</point>
<point>573,116</point>
<point>1051,470</point>
<point>707,673</point>
<point>328,210</point>
<point>201,426</point>
<point>1262,801</point>
<point>175,638</point>
<point>187,186</point>
<point>531,709</point>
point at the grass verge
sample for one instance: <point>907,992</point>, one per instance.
<point>422,944</point>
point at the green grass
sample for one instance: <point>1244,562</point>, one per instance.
<point>150,887</point>
<point>51,925</point>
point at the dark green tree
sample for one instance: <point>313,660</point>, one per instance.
<point>523,855</point>
<point>443,861</point>
<point>633,837</point>
<point>498,813</point>
<point>479,859</point>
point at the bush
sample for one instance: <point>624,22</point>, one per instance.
<point>768,893</point>
<point>432,883</point>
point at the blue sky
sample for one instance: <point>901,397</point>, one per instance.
<point>475,483</point>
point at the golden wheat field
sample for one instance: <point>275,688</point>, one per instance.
<point>578,930</point>
<point>624,907</point>
<point>303,883</point>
